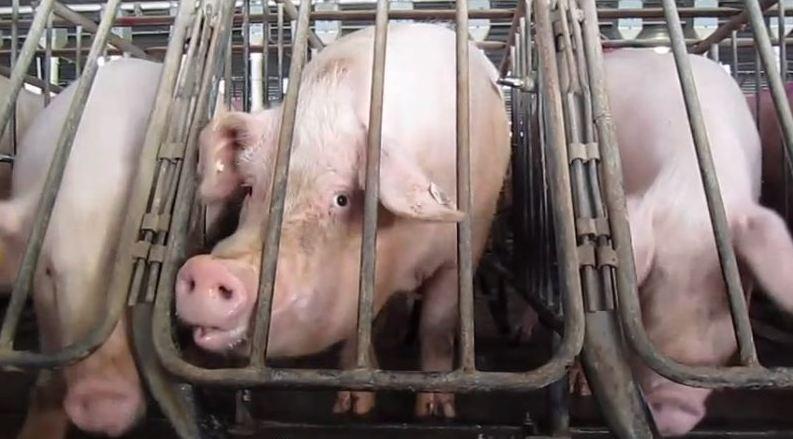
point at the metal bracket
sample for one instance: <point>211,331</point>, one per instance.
<point>525,84</point>
<point>583,151</point>
<point>140,250</point>
<point>155,222</point>
<point>171,151</point>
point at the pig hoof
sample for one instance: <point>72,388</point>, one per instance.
<point>439,405</point>
<point>355,403</point>
<point>578,382</point>
<point>525,329</point>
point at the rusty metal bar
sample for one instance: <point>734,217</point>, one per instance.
<point>464,197</point>
<point>25,57</point>
<point>269,261</point>
<point>46,91</point>
<point>710,181</point>
<point>372,188</point>
<point>774,80</point>
<point>24,281</point>
<point>513,30</point>
<point>724,30</point>
<point>292,12</point>
<point>246,55</point>
<point>80,20</point>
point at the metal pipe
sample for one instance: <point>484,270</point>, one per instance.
<point>48,63</point>
<point>734,47</point>
<point>464,197</point>
<point>291,11</point>
<point>78,50</point>
<point>24,281</point>
<point>280,43</point>
<point>740,42</point>
<point>228,90</point>
<point>774,80</point>
<point>246,56</point>
<point>265,55</point>
<point>710,182</point>
<point>83,22</point>
<point>269,260</point>
<point>513,29</point>
<point>14,49</point>
<point>724,30</point>
<point>32,80</point>
<point>372,188</point>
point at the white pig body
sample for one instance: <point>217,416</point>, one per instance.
<point>27,108</point>
<point>103,391</point>
<point>315,298</point>
<point>682,293</point>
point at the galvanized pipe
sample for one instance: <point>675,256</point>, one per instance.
<point>14,49</point>
<point>78,50</point>
<point>46,92</point>
<point>32,80</point>
<point>710,181</point>
<point>246,56</point>
<point>25,57</point>
<point>513,30</point>
<point>280,54</point>
<point>366,287</point>
<point>724,30</point>
<point>261,320</point>
<point>80,20</point>
<point>734,47</point>
<point>24,281</point>
<point>774,80</point>
<point>292,12</point>
<point>266,56</point>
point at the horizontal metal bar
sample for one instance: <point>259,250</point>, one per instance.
<point>89,25</point>
<point>32,80</point>
<point>740,42</point>
<point>726,29</point>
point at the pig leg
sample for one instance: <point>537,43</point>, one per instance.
<point>355,402</point>
<point>436,329</point>
<point>525,329</point>
<point>577,380</point>
<point>46,417</point>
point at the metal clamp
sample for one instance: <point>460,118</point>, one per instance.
<point>583,151</point>
<point>171,151</point>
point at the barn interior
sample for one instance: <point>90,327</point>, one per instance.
<point>502,285</point>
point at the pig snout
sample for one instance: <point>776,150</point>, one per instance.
<point>677,409</point>
<point>216,298</point>
<point>109,406</point>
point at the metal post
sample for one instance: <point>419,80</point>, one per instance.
<point>265,55</point>
<point>369,240</point>
<point>280,52</point>
<point>78,50</point>
<point>734,47</point>
<point>246,56</point>
<point>48,63</point>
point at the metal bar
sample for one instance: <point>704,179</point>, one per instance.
<point>269,261</point>
<point>14,49</point>
<point>78,50</point>
<point>291,11</point>
<point>280,52</point>
<point>758,72</point>
<point>24,281</point>
<point>513,30</point>
<point>265,55</point>
<point>48,63</point>
<point>724,30</point>
<point>734,47</point>
<point>741,42</point>
<point>25,57</point>
<point>372,188</point>
<point>32,80</point>
<point>710,181</point>
<point>80,20</point>
<point>228,90</point>
<point>774,80</point>
<point>464,197</point>
<point>246,56</point>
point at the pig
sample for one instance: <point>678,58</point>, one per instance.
<point>772,190</point>
<point>315,299</point>
<point>681,290</point>
<point>101,393</point>
<point>28,107</point>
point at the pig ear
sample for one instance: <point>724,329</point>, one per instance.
<point>229,134</point>
<point>641,223</point>
<point>763,242</point>
<point>407,192</point>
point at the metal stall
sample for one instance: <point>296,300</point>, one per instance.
<point>559,243</point>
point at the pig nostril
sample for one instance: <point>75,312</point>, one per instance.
<point>190,286</point>
<point>225,292</point>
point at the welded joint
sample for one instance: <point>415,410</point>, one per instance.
<point>583,151</point>
<point>157,253</point>
<point>592,254</point>
<point>525,84</point>
<point>140,250</point>
<point>595,227</point>
<point>156,222</point>
<point>171,151</point>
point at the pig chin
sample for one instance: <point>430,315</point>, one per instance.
<point>219,340</point>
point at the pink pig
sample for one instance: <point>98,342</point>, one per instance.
<point>682,293</point>
<point>315,298</point>
<point>101,393</point>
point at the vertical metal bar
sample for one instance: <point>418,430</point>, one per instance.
<point>758,79</point>
<point>273,234</point>
<point>369,241</point>
<point>763,44</point>
<point>25,57</point>
<point>78,50</point>
<point>14,48</point>
<point>734,47</point>
<point>718,216</point>
<point>246,55</point>
<point>280,52</point>
<point>228,89</point>
<point>24,281</point>
<point>783,71</point>
<point>265,54</point>
<point>464,255</point>
<point>48,63</point>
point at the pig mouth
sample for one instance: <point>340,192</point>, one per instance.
<point>218,339</point>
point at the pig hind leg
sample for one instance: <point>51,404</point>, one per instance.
<point>354,402</point>
<point>46,417</point>
<point>436,329</point>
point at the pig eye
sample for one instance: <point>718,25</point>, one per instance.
<point>342,200</point>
